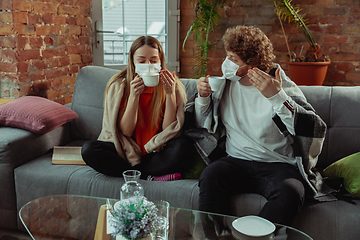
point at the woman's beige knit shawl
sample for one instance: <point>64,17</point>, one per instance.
<point>126,147</point>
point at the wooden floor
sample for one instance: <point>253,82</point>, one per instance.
<point>12,233</point>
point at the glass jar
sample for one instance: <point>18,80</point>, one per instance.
<point>131,187</point>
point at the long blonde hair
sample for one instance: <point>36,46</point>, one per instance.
<point>129,74</point>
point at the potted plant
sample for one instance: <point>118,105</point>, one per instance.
<point>206,18</point>
<point>135,218</point>
<point>311,68</point>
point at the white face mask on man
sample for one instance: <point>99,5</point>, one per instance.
<point>229,70</point>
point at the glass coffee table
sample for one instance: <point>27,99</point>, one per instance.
<point>75,217</point>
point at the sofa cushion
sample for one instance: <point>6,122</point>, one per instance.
<point>349,169</point>
<point>88,100</point>
<point>35,114</point>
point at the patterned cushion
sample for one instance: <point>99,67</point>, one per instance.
<point>35,114</point>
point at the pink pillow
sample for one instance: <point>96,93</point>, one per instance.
<point>35,114</point>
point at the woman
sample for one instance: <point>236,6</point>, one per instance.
<point>141,125</point>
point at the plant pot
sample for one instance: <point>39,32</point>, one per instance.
<point>308,73</point>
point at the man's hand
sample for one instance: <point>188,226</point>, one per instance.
<point>265,83</point>
<point>203,86</point>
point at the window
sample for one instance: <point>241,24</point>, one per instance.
<point>117,23</point>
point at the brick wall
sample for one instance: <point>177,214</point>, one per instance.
<point>43,44</point>
<point>335,25</point>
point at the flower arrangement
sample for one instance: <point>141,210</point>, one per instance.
<point>134,218</point>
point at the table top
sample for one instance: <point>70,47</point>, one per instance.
<point>75,217</point>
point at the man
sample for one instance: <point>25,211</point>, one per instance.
<point>272,135</point>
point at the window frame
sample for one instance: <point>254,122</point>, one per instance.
<point>172,26</point>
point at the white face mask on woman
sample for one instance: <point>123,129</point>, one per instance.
<point>229,69</point>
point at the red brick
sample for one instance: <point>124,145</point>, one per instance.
<point>7,42</point>
<point>6,17</point>
<point>67,99</point>
<point>55,72</point>
<point>60,20</point>
<point>75,49</point>
<point>8,67</point>
<point>74,40</point>
<point>53,62</point>
<point>29,54</point>
<point>8,55</point>
<point>5,4</point>
<point>86,58</point>
<point>75,30</point>
<point>20,17</point>
<point>333,29</point>
<point>23,67</point>
<point>335,39</point>
<point>57,82</point>
<point>65,61</point>
<point>352,76</point>
<point>47,30</point>
<point>68,80</point>
<point>24,29</point>
<point>85,31</point>
<point>52,94</point>
<point>33,76</point>
<point>71,20</point>
<point>49,41</point>
<point>335,11</point>
<point>82,21</point>
<point>75,58</point>
<point>44,8</point>
<point>53,52</point>
<point>39,64</point>
<point>22,41</point>
<point>36,42</point>
<point>73,69</point>
<point>66,9</point>
<point>21,5</point>
<point>34,19</point>
<point>6,29</point>
<point>48,18</point>
<point>346,67</point>
<point>82,3</point>
<point>85,40</point>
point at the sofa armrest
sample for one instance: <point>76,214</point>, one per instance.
<point>18,146</point>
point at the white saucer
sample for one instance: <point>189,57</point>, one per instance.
<point>253,226</point>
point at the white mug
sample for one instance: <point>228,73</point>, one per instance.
<point>150,79</point>
<point>216,83</point>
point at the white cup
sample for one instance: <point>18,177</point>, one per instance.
<point>216,83</point>
<point>150,79</point>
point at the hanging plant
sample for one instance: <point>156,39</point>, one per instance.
<point>206,18</point>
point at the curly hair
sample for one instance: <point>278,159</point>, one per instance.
<point>251,45</point>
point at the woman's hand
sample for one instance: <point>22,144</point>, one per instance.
<point>137,86</point>
<point>203,86</point>
<point>265,83</point>
<point>168,81</point>
<point>127,122</point>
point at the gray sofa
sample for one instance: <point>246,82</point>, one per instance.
<point>26,172</point>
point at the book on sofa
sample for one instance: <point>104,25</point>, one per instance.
<point>67,155</point>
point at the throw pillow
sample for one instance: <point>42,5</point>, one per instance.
<point>347,168</point>
<point>35,114</point>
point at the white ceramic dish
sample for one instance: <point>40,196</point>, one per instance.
<point>253,227</point>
